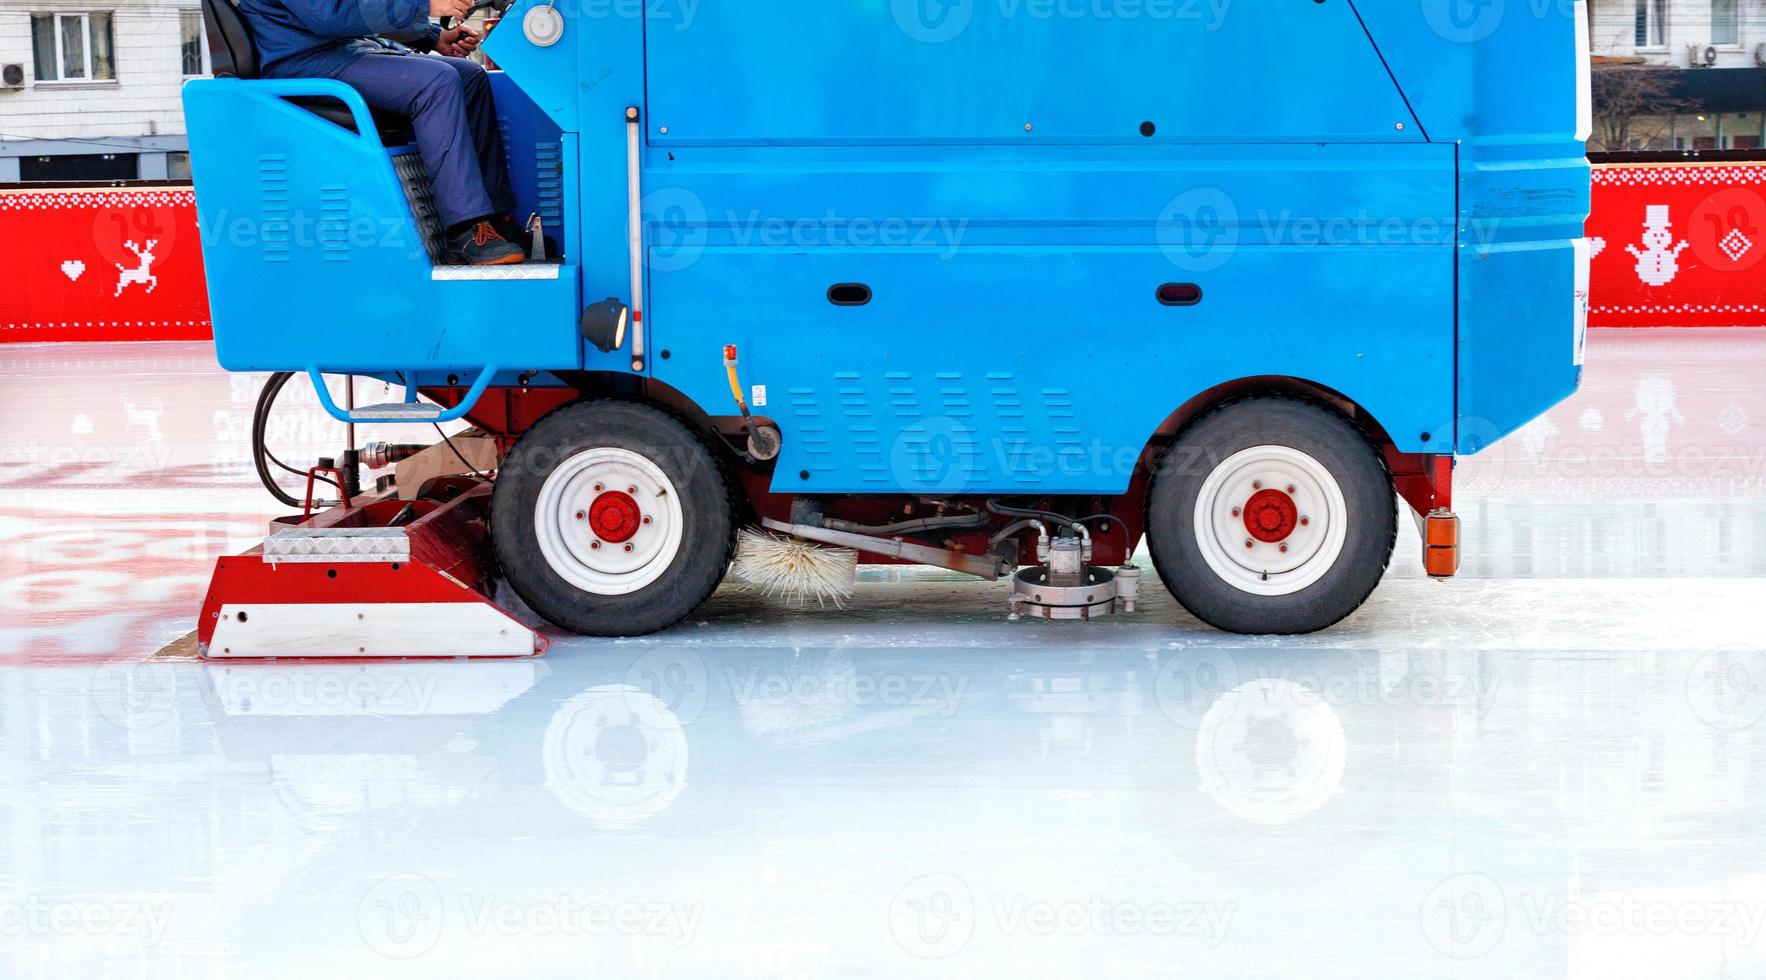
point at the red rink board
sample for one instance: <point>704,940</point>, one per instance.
<point>81,268</point>
<point>1704,268</point>
<point>78,279</point>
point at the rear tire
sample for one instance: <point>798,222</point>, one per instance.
<point>611,518</point>
<point>1271,515</point>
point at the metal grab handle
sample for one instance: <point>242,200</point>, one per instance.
<point>634,191</point>
<point>459,411</point>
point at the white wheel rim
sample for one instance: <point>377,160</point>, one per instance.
<point>588,560</point>
<point>1310,538</point>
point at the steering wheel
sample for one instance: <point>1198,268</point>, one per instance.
<point>498,5</point>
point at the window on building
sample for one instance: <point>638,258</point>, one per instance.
<point>1651,133</point>
<point>1741,130</point>
<point>1652,24</point>
<point>177,166</point>
<point>1696,131</point>
<point>192,43</point>
<point>73,47</point>
<point>1725,22</point>
<point>80,166</point>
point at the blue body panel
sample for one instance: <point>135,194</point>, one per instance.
<point>1034,333</point>
<point>1364,198</point>
<point>1523,195</point>
<point>313,257</point>
<point>794,72</point>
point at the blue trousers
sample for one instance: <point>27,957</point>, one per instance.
<point>449,102</point>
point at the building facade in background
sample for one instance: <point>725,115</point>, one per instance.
<point>89,89</point>
<point>1680,74</point>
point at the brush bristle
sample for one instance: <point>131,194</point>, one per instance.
<point>789,568</point>
<point>817,690</point>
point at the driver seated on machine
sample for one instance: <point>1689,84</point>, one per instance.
<point>448,99</point>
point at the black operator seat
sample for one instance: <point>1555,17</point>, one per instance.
<point>234,54</point>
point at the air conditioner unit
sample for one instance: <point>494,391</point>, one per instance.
<point>12,76</point>
<point>1701,55</point>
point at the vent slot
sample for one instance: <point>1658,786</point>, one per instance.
<point>1179,294</point>
<point>849,294</point>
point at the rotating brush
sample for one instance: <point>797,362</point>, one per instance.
<point>791,568</point>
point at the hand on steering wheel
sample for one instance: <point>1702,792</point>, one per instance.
<point>448,10</point>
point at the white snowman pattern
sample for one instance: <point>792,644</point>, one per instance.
<point>1659,260</point>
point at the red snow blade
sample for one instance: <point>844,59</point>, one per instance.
<point>382,578</point>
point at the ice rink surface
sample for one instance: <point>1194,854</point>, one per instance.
<point>1544,768</point>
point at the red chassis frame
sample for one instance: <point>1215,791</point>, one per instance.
<point>1424,481</point>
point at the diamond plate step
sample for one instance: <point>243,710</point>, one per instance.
<point>338,544</point>
<point>401,411</point>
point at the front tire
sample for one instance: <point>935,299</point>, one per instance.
<point>611,518</point>
<point>1271,515</point>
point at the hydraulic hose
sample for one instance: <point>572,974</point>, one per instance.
<point>1050,516</point>
<point>906,527</point>
<point>261,456</point>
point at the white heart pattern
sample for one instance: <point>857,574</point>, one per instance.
<point>73,269</point>
<point>1596,246</point>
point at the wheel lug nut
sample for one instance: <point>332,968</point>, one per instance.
<point>597,488</point>
<point>1284,549</point>
<point>1248,542</point>
<point>580,515</point>
<point>1235,512</point>
<point>631,489</point>
<point>1290,488</point>
<point>594,544</point>
<point>1257,484</point>
<point>646,520</point>
<point>628,549</point>
<point>1305,520</point>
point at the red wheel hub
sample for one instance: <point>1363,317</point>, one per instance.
<point>1270,516</point>
<point>614,516</point>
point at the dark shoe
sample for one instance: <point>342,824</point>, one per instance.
<point>481,245</point>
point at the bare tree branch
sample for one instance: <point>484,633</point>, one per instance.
<point>1627,95</point>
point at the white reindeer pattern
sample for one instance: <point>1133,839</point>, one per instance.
<point>142,272</point>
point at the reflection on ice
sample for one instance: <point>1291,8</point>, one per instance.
<point>1270,751</point>
<point>615,754</point>
<point>1281,808</point>
<point>408,688</point>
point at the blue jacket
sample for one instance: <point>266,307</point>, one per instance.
<point>319,38</point>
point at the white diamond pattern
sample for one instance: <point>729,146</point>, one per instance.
<point>1735,245</point>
